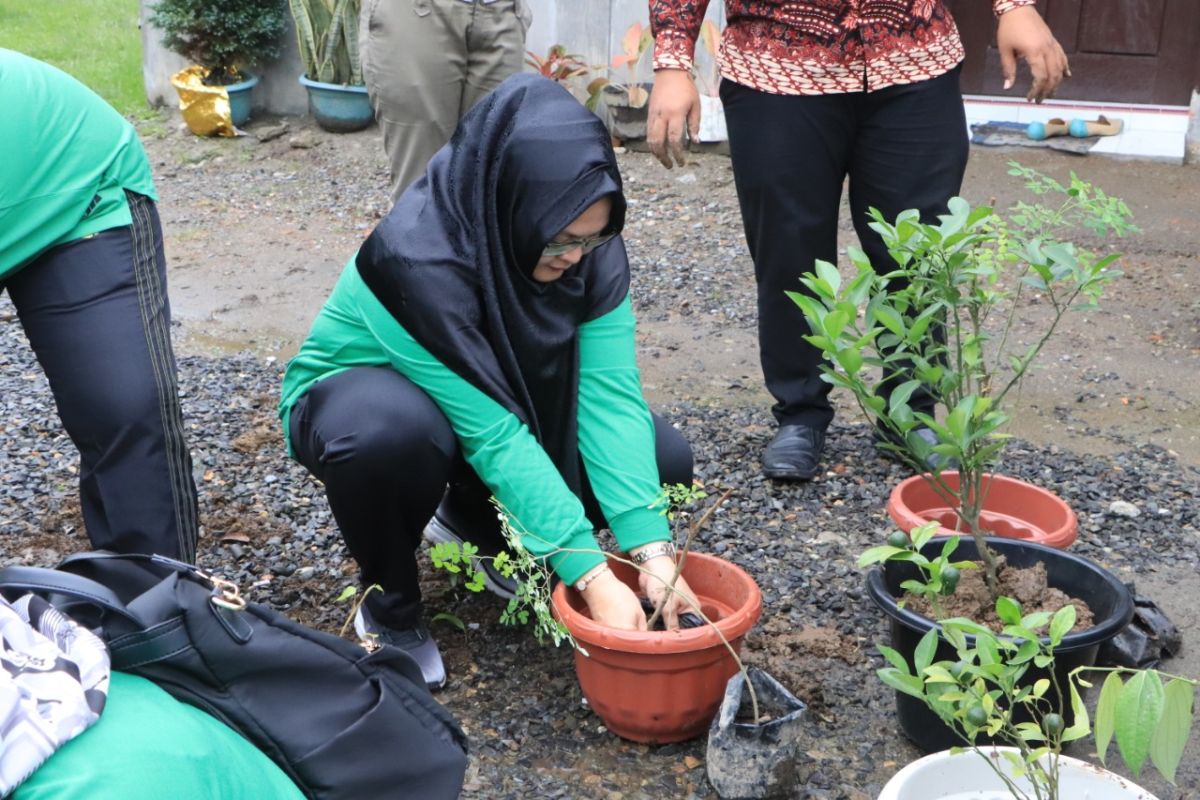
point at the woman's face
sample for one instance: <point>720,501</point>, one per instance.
<point>581,234</point>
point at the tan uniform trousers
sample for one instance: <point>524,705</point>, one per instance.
<point>426,62</point>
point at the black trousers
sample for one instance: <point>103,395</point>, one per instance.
<point>96,313</point>
<point>901,147</point>
<point>387,455</point>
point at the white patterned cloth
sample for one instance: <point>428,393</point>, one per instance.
<point>53,685</point>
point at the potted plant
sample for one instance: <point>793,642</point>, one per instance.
<point>921,576</point>
<point>626,100</point>
<point>563,68</point>
<point>989,686</point>
<point>221,37</point>
<point>681,675</point>
<point>944,319</point>
<point>327,35</point>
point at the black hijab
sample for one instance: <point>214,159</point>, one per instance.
<point>453,260</point>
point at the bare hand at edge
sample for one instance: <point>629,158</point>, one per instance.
<point>673,117</point>
<point>1022,33</point>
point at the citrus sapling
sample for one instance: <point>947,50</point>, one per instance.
<point>944,320</point>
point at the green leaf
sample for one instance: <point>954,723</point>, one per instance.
<point>1139,709</point>
<point>1171,736</point>
<point>923,533</point>
<point>939,674</point>
<point>1080,726</point>
<point>829,273</point>
<point>476,582</point>
<point>902,682</point>
<point>884,552</point>
<point>888,318</point>
<point>447,617</point>
<point>1061,624</point>
<point>1027,650</point>
<point>1035,621</point>
<point>346,594</point>
<point>894,658</point>
<point>923,655</point>
<point>849,359</point>
<point>902,393</point>
<point>989,650</point>
<point>863,284</point>
<point>1008,610</point>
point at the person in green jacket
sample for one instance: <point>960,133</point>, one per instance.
<point>81,256</point>
<point>479,344</point>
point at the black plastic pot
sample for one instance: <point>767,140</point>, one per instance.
<point>1109,599</point>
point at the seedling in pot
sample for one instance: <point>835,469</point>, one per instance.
<point>558,65</point>
<point>634,43</point>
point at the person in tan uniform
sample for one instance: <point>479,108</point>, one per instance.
<point>426,62</point>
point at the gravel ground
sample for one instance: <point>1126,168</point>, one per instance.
<point>256,235</point>
<point>266,525</point>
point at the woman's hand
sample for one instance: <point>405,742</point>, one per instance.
<point>654,580</point>
<point>613,604</point>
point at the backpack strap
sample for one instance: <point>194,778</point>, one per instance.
<point>64,589</point>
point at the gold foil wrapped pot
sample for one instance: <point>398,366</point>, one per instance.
<point>205,109</point>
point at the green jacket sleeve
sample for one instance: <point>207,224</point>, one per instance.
<point>616,431</point>
<point>499,447</point>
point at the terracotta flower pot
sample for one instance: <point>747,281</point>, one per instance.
<point>1012,509</point>
<point>663,686</point>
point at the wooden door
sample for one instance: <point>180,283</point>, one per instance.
<point>1127,51</point>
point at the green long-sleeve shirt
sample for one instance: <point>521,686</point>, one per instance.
<point>68,159</point>
<point>616,432</point>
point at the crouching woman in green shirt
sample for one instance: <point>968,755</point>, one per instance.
<point>81,256</point>
<point>482,340</point>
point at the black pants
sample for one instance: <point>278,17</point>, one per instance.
<point>96,313</point>
<point>386,454</point>
<point>902,147</point>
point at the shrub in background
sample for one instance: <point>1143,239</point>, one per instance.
<point>221,35</point>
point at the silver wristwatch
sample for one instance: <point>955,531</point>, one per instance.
<point>653,551</point>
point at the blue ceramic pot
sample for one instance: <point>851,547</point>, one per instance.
<point>338,108</point>
<point>239,99</point>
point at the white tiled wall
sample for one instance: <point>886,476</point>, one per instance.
<point>1150,132</point>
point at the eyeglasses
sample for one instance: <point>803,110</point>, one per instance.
<point>587,245</point>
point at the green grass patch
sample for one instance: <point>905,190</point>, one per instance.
<point>97,41</point>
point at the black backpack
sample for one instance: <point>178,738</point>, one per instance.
<point>343,723</point>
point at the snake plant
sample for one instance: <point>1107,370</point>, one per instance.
<point>327,33</point>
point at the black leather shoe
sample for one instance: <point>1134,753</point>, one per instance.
<point>794,454</point>
<point>935,461</point>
